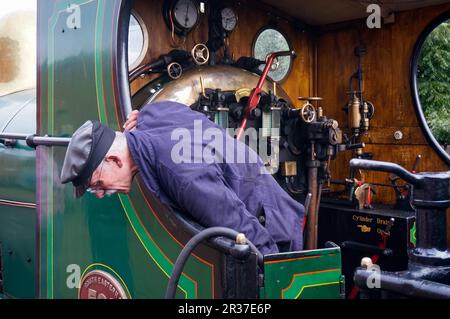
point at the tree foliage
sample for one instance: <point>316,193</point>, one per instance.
<point>433,80</point>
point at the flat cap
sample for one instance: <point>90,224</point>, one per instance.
<point>86,150</point>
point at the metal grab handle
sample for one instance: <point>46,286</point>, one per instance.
<point>33,141</point>
<point>416,180</point>
<point>14,136</point>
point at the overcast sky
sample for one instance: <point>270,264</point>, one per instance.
<point>11,6</point>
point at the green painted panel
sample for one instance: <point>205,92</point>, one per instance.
<point>17,177</point>
<point>17,197</point>
<point>313,274</point>
<point>17,240</point>
<point>121,234</point>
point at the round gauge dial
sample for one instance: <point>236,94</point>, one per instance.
<point>229,19</point>
<point>186,13</point>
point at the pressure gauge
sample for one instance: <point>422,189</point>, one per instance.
<point>229,19</point>
<point>181,16</point>
<point>186,13</point>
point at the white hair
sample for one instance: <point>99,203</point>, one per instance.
<point>119,144</point>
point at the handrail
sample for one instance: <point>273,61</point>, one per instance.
<point>396,169</point>
<point>34,140</point>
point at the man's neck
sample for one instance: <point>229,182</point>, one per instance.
<point>134,167</point>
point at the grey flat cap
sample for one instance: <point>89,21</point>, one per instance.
<point>86,150</point>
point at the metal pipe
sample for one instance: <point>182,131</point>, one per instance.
<point>417,288</point>
<point>416,180</point>
<point>192,244</point>
<point>48,141</point>
<point>311,219</point>
<point>33,140</point>
<point>140,71</point>
<point>13,136</point>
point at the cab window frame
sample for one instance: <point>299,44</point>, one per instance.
<point>418,107</point>
<point>145,44</point>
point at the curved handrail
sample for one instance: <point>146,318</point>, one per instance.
<point>414,179</point>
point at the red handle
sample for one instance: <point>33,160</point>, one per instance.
<point>255,96</point>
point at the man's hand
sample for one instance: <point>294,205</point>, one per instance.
<point>130,124</point>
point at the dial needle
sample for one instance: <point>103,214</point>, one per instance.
<point>187,15</point>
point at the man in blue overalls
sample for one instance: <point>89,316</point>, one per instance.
<point>209,184</point>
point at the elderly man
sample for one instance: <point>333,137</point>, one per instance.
<point>215,193</point>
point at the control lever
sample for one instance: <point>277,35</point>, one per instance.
<point>394,178</point>
<point>403,193</point>
<point>381,249</point>
<point>416,163</point>
<point>307,203</point>
<point>255,96</point>
<point>307,208</point>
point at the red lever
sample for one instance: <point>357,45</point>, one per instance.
<point>255,96</point>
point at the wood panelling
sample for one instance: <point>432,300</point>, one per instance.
<point>386,84</point>
<point>385,135</point>
<point>160,37</point>
<point>252,17</point>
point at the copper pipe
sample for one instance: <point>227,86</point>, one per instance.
<point>312,218</point>
<point>311,221</point>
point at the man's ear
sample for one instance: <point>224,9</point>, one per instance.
<point>114,158</point>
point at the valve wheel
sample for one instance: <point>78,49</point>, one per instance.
<point>174,70</point>
<point>308,113</point>
<point>200,54</point>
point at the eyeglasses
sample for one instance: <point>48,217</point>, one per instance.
<point>97,187</point>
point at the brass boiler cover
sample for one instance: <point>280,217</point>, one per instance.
<point>187,88</point>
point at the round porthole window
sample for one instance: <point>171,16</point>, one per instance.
<point>268,41</point>
<point>137,41</point>
<point>431,84</point>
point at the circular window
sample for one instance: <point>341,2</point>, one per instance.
<point>268,41</point>
<point>137,41</point>
<point>431,83</point>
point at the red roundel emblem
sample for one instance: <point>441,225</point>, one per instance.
<point>99,284</point>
